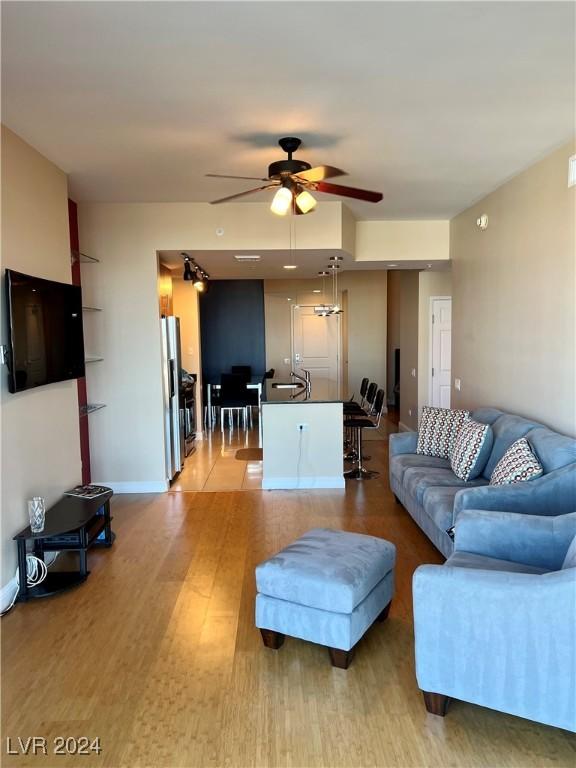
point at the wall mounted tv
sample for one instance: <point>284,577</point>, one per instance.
<point>45,328</point>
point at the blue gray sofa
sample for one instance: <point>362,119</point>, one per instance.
<point>496,624</point>
<point>434,496</point>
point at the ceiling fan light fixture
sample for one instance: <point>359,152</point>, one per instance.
<point>305,201</point>
<point>282,201</point>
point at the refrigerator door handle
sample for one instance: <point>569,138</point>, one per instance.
<point>171,377</point>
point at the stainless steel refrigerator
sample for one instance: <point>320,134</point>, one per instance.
<point>173,421</point>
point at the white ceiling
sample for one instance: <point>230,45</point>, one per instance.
<point>221,265</point>
<point>434,104</point>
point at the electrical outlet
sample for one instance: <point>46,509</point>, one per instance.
<point>302,427</point>
<point>3,354</point>
<point>286,361</point>
<point>409,411</point>
<point>457,384</point>
<point>413,373</point>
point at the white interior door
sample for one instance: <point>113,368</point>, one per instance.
<point>316,347</point>
<point>441,347</point>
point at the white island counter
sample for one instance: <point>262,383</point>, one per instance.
<point>302,439</point>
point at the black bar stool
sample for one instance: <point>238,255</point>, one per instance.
<point>354,410</point>
<point>357,425</point>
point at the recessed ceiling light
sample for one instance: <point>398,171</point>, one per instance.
<point>288,299</point>
<point>391,265</point>
<point>249,257</point>
<point>429,266</point>
<point>290,266</point>
<point>316,290</point>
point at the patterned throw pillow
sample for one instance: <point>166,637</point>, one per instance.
<point>471,449</point>
<point>437,431</point>
<point>518,464</point>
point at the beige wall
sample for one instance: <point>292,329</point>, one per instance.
<point>365,318</point>
<point>409,349</point>
<point>513,305</point>
<point>429,284</point>
<point>40,437</point>
<point>402,240</point>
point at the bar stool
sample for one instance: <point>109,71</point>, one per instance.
<point>357,425</point>
<point>354,410</point>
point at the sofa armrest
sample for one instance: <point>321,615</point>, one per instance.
<point>552,494</point>
<point>532,539</point>
<point>502,640</point>
<point>403,442</point>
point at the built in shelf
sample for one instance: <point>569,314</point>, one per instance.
<point>93,359</point>
<point>83,258</point>
<point>89,408</point>
<point>91,309</point>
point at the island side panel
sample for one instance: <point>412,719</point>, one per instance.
<point>308,458</point>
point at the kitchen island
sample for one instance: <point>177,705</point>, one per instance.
<point>302,436</point>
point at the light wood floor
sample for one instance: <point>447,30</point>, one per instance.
<point>214,465</point>
<point>157,653</point>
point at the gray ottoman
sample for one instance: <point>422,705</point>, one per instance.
<point>327,587</point>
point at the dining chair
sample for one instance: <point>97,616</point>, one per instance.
<point>233,398</point>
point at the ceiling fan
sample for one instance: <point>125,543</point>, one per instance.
<point>294,180</point>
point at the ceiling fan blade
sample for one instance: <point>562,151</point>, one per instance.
<point>221,176</point>
<point>320,172</point>
<point>241,194</point>
<point>358,194</point>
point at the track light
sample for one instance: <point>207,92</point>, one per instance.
<point>195,274</point>
<point>200,283</point>
<point>188,274</point>
<point>282,201</point>
<point>305,201</point>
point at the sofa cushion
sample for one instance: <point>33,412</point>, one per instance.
<point>570,559</point>
<point>417,480</point>
<point>507,429</point>
<point>438,504</point>
<point>437,431</point>
<point>399,464</point>
<point>484,563</point>
<point>517,465</point>
<point>554,451</point>
<point>471,449</point>
<point>328,569</point>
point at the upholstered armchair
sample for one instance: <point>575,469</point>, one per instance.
<point>496,624</point>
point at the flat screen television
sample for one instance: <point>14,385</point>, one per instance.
<point>46,340</point>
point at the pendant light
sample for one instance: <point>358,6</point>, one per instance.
<point>334,266</point>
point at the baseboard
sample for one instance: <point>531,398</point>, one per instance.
<point>302,483</point>
<point>144,486</point>
<point>403,428</point>
<point>7,593</point>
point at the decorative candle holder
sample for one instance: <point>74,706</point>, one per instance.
<point>37,513</point>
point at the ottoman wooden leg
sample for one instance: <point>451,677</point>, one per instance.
<point>384,615</point>
<point>341,659</point>
<point>272,639</point>
<point>436,703</point>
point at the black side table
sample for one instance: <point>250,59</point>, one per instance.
<point>71,524</point>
